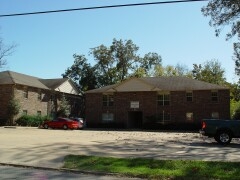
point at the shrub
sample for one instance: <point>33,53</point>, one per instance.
<point>34,121</point>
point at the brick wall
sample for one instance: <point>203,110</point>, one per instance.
<point>32,105</point>
<point>5,96</point>
<point>201,106</point>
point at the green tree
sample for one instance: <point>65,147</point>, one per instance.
<point>169,70</point>
<point>210,71</point>
<point>114,64</point>
<point>82,73</point>
<point>223,13</point>
<point>64,107</point>
<point>13,109</point>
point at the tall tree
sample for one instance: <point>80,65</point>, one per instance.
<point>5,50</point>
<point>125,56</point>
<point>82,73</point>
<point>105,66</point>
<point>121,60</point>
<point>210,71</point>
<point>114,64</point>
<point>222,13</point>
<point>169,70</point>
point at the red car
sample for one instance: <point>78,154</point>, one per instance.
<point>61,123</point>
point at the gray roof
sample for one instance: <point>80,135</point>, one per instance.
<point>174,83</point>
<point>10,77</point>
<point>178,83</point>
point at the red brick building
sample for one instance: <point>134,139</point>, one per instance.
<point>36,96</point>
<point>156,101</point>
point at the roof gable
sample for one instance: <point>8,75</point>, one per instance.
<point>67,87</point>
<point>134,84</point>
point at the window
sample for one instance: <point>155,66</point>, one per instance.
<point>107,117</point>
<point>189,116</point>
<point>215,115</point>
<point>189,96</point>
<point>163,118</point>
<point>108,100</point>
<point>39,113</point>
<point>214,96</point>
<point>24,112</point>
<point>163,99</point>
<point>25,93</point>
<point>39,95</point>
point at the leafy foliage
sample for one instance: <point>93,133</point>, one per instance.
<point>33,121</point>
<point>222,13</point>
<point>114,64</point>
<point>64,107</point>
<point>13,109</point>
<point>210,71</point>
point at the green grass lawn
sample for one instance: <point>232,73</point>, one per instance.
<point>155,169</point>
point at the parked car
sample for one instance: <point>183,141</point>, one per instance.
<point>221,130</point>
<point>80,122</point>
<point>61,123</point>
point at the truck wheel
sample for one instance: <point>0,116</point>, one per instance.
<point>223,137</point>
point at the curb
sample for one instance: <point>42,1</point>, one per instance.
<point>63,170</point>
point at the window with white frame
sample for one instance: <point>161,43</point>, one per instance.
<point>215,115</point>
<point>214,95</point>
<point>163,99</point>
<point>189,96</point>
<point>189,116</point>
<point>108,100</point>
<point>107,117</point>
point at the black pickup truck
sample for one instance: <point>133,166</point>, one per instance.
<point>222,130</point>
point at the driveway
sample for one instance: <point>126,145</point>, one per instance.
<point>47,148</point>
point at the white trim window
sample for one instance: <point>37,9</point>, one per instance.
<point>189,116</point>
<point>107,117</point>
<point>189,96</point>
<point>215,115</point>
<point>163,99</point>
<point>214,96</point>
<point>108,100</point>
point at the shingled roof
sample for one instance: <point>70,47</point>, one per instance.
<point>174,83</point>
<point>10,77</point>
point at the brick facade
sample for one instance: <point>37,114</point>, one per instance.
<point>150,114</point>
<point>38,101</point>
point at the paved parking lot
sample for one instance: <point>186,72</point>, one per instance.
<point>47,148</point>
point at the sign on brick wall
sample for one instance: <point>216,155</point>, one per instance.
<point>134,104</point>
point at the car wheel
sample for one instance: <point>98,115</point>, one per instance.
<point>65,127</point>
<point>223,137</point>
<point>45,126</point>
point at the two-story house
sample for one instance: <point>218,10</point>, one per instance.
<point>151,102</point>
<point>36,96</point>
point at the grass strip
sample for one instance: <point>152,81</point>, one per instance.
<point>155,169</point>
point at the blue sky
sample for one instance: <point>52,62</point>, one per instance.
<point>47,42</point>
